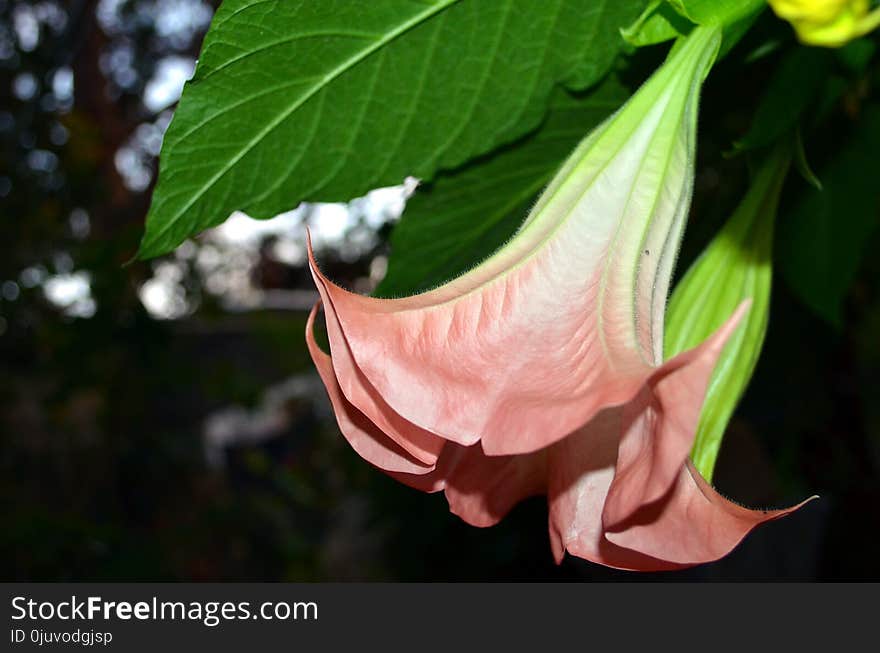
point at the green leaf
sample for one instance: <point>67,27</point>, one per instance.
<point>465,215</point>
<point>736,265</point>
<point>823,238</point>
<point>722,12</point>
<point>657,24</point>
<point>664,20</point>
<point>323,101</point>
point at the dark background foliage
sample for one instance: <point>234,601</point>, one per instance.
<point>195,444</point>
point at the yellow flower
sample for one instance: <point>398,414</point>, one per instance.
<point>829,23</point>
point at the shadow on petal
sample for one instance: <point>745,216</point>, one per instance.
<point>692,524</point>
<point>581,469</point>
<point>482,489</point>
<point>362,433</point>
<point>421,444</point>
<point>659,425</point>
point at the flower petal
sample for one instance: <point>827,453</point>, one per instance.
<point>475,367</point>
<point>564,320</point>
<point>482,489</point>
<point>660,424</point>
<point>692,525</point>
<point>362,434</point>
<point>435,480</point>
<point>421,444</point>
<point>581,468</point>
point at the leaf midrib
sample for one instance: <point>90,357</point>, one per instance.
<point>321,84</point>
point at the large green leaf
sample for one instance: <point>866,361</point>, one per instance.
<point>825,235</point>
<point>737,265</point>
<point>465,215</point>
<point>303,100</point>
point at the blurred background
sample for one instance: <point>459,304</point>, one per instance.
<point>162,421</point>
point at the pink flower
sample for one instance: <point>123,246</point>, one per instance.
<point>541,370</point>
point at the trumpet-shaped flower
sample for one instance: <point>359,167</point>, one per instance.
<point>540,371</point>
